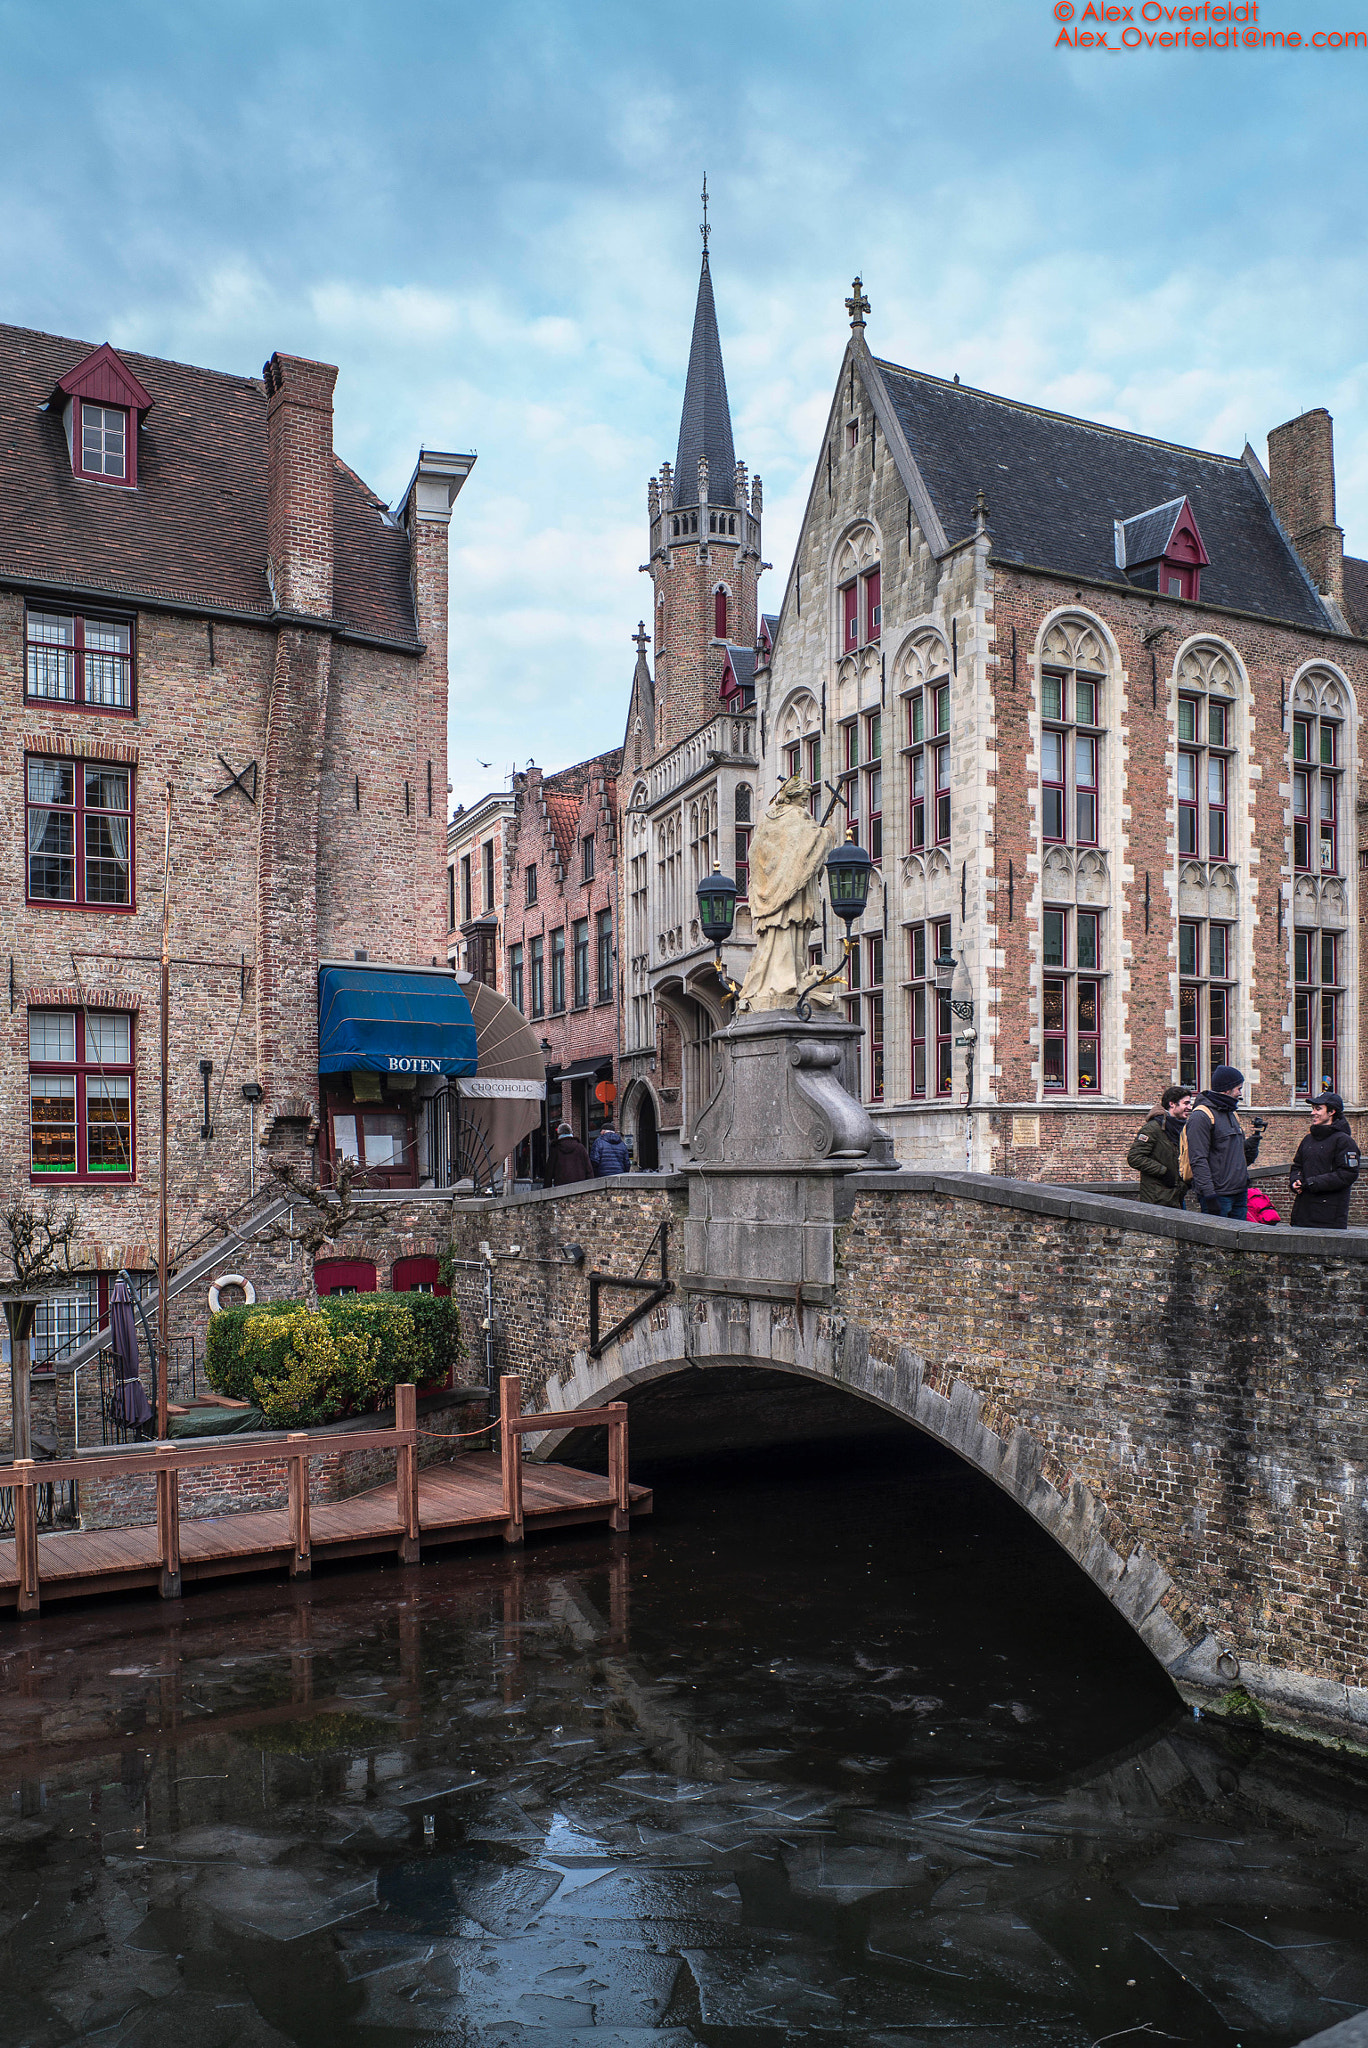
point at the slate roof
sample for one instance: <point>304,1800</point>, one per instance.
<point>1056,487</point>
<point>1147,535</point>
<point>741,663</point>
<point>194,530</point>
<point>1356,594</point>
<point>705,423</point>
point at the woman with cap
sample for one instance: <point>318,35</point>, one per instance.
<point>1219,1153</point>
<point>1324,1168</point>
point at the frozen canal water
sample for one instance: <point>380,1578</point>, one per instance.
<point>836,1751</point>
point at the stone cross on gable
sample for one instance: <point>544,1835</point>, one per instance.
<point>857,305</point>
<point>641,638</point>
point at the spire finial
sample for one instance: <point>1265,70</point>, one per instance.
<point>980,511</point>
<point>704,229</point>
<point>641,637</point>
<point>857,305</point>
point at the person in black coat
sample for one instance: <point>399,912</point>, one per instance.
<point>567,1161</point>
<point>1324,1168</point>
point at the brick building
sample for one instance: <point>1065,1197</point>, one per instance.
<point>560,937</point>
<point>478,840</point>
<point>1092,700</point>
<point>197,594</point>
<point>690,757</point>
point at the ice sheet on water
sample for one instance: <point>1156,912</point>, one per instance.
<point>279,1903</point>
<point>1251,1985</point>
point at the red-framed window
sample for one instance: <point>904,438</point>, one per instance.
<point>105,443</point>
<point>1071,1009</point>
<point>344,1276</point>
<point>1204,766</point>
<point>1176,579</point>
<point>1317,1009</point>
<point>916,772</point>
<point>945,1022</point>
<point>874,783</point>
<point>941,755</point>
<point>81,1095</point>
<point>874,1015</point>
<point>850,614</point>
<point>741,811</point>
<point>850,776</point>
<point>1085,789</point>
<point>920,994</point>
<point>873,607</point>
<point>814,771</point>
<point>852,434</point>
<point>719,615</point>
<point>79,823</point>
<point>1206,999</point>
<point>1070,758</point>
<point>82,662</point>
<point>417,1275</point>
<point>1315,795</point>
<point>537,975</point>
<point>854,981</point>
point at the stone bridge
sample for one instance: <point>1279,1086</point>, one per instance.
<point>1179,1401</point>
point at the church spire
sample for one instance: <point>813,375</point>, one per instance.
<point>705,424</point>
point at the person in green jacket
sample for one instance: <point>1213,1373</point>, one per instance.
<point>1154,1155</point>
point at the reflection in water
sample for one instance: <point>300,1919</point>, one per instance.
<point>848,1755</point>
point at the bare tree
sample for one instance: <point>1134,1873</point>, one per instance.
<point>40,1244</point>
<point>319,1217</point>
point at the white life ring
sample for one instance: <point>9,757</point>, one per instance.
<point>229,1280</point>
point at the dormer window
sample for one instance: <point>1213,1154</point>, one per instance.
<point>102,406</point>
<point>104,441</point>
<point>1162,550</point>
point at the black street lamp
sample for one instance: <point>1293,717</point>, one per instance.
<point>953,978</point>
<point>849,869</point>
<point>717,915</point>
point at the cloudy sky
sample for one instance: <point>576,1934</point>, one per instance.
<point>488,218</point>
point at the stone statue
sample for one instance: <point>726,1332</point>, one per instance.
<point>786,858</point>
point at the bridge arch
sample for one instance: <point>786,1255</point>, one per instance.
<point>701,1332</point>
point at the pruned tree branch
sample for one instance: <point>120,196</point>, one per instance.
<point>320,1216</point>
<point>40,1243</point>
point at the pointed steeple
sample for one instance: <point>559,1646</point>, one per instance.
<point>705,423</point>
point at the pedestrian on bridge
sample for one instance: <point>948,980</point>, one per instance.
<point>1324,1168</point>
<point>1154,1155</point>
<point>567,1162</point>
<point>1218,1150</point>
<point>609,1153</point>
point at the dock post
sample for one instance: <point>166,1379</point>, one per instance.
<point>510,1452</point>
<point>26,1535</point>
<point>301,1561</point>
<point>168,1532</point>
<point>406,1473</point>
<point>620,1515</point>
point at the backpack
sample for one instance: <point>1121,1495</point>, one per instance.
<point>1184,1159</point>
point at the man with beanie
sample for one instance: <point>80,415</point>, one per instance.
<point>1154,1155</point>
<point>1324,1168</point>
<point>1218,1151</point>
<point>609,1153</point>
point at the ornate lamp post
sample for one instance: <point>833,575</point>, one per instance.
<point>717,915</point>
<point>955,977</point>
<point>848,869</point>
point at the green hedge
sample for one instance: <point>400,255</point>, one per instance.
<point>302,1368</point>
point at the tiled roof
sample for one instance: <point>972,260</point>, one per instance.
<point>194,530</point>
<point>1356,594</point>
<point>705,423</point>
<point>1056,486</point>
<point>564,813</point>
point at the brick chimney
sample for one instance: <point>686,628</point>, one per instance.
<point>1301,473</point>
<point>299,483</point>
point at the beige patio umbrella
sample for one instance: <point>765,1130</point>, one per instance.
<point>503,1098</point>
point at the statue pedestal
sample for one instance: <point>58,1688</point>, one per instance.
<point>771,1153</point>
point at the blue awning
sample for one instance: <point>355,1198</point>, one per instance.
<point>382,1021</point>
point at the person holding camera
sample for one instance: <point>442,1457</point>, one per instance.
<point>1324,1168</point>
<point>1219,1153</point>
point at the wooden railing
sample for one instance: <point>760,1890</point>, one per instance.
<point>166,1462</point>
<point>514,1424</point>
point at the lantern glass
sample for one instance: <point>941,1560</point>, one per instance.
<point>717,907</point>
<point>848,871</point>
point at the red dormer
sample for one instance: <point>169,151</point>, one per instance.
<point>102,405</point>
<point>1162,550</point>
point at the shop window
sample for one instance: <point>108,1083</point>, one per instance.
<point>1071,1008</point>
<point>80,833</point>
<point>81,1094</point>
<point>378,1139</point>
<point>73,660</point>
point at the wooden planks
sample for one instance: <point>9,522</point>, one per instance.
<point>460,1502</point>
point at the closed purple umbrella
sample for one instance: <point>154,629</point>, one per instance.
<point>131,1405</point>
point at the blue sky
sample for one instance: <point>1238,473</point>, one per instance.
<point>488,219</point>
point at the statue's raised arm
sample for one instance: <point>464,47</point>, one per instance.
<point>786,858</point>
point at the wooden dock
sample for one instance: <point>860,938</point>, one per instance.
<point>476,1497</point>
